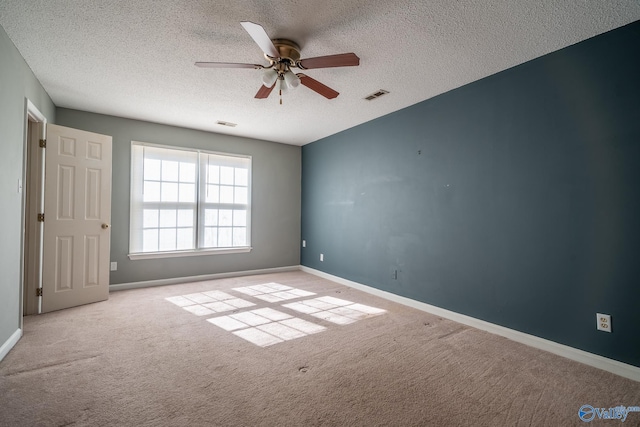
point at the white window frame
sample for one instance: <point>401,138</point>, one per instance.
<point>136,213</point>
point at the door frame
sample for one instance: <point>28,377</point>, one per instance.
<point>32,203</point>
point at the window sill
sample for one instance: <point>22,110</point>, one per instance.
<point>177,254</point>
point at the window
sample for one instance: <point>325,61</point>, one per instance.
<point>188,201</point>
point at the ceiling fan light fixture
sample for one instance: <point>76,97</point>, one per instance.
<point>291,79</point>
<point>284,87</point>
<point>269,77</point>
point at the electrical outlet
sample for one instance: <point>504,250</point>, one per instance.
<point>304,243</point>
<point>321,257</point>
<point>603,322</point>
<point>114,266</point>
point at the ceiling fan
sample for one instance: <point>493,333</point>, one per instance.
<point>283,55</point>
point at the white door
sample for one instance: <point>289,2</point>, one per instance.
<point>77,214</point>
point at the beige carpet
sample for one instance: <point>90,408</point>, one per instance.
<point>140,359</point>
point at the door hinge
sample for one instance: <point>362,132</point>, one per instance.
<point>39,292</point>
<point>43,143</point>
<point>41,217</point>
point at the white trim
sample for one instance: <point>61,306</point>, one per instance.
<point>36,115</point>
<point>179,280</point>
<point>198,252</point>
<point>600,362</point>
<point>8,345</point>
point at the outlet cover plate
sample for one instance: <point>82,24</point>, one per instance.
<point>603,322</point>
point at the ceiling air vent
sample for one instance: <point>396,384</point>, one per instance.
<point>229,124</point>
<point>378,94</point>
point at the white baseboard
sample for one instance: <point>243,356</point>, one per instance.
<point>178,280</point>
<point>600,362</point>
<point>8,345</point>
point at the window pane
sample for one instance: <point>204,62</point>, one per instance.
<point>151,170</point>
<point>187,172</point>
<point>213,194</point>
<point>242,177</point>
<point>240,195</point>
<point>150,218</point>
<point>239,236</point>
<point>239,218</point>
<point>226,194</point>
<point>224,237</point>
<point>226,217</point>
<point>185,218</point>
<point>210,217</point>
<point>167,239</point>
<point>213,174</point>
<point>151,192</point>
<point>210,237</point>
<point>185,238</point>
<point>170,170</point>
<point>150,240</point>
<point>226,175</point>
<point>167,218</point>
<point>187,193</point>
<point>169,192</point>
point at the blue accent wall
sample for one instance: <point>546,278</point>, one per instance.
<point>514,199</point>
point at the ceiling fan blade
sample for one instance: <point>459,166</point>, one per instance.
<point>340,60</point>
<point>259,35</point>
<point>318,87</point>
<point>226,65</point>
<point>264,91</point>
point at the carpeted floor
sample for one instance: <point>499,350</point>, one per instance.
<point>307,352</point>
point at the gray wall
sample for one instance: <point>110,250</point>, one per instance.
<point>514,199</point>
<point>17,83</point>
<point>275,216</point>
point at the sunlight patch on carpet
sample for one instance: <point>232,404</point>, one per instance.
<point>207,303</point>
<point>266,326</point>
<point>273,292</point>
<point>335,310</point>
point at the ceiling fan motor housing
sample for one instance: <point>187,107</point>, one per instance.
<point>289,51</point>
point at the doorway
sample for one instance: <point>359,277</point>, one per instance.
<point>65,262</point>
<point>33,201</point>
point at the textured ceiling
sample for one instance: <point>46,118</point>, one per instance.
<point>134,58</point>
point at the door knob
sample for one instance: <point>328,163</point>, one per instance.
<point>105,226</point>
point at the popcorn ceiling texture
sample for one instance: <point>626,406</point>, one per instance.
<point>135,59</point>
